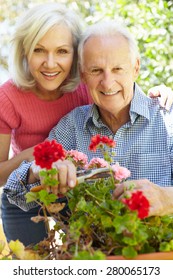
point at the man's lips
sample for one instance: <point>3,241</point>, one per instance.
<point>110,93</point>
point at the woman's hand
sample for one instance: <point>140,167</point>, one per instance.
<point>165,95</point>
<point>160,198</point>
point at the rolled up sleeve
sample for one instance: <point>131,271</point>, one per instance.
<point>17,187</point>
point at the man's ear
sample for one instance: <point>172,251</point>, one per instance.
<point>137,68</point>
<point>82,75</point>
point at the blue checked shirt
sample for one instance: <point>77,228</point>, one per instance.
<point>144,144</point>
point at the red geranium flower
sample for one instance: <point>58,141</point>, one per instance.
<point>48,152</point>
<point>138,202</point>
<point>98,141</point>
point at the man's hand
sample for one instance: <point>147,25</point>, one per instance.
<point>165,95</point>
<point>66,176</point>
<point>160,198</point>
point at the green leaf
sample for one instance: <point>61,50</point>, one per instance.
<point>85,255</point>
<point>31,196</point>
<point>165,247</point>
<point>81,204</point>
<point>46,198</point>
<point>171,245</point>
<point>126,222</point>
<point>129,252</point>
<point>106,221</point>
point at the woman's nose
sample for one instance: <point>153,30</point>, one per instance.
<point>50,61</point>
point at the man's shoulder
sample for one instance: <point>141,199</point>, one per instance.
<point>76,116</point>
<point>79,111</point>
<point>162,118</point>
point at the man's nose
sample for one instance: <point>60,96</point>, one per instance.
<point>108,80</point>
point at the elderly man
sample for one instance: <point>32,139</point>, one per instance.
<point>109,65</point>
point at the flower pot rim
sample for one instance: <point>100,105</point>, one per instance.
<point>147,256</point>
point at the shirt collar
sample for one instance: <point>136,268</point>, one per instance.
<point>93,116</point>
<point>139,107</point>
<point>139,104</point>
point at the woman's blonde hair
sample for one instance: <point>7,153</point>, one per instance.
<point>29,30</point>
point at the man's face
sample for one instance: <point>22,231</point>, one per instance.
<point>109,72</point>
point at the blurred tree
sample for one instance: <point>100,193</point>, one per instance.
<point>151,22</point>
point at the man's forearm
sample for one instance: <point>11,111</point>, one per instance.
<point>17,187</point>
<point>167,200</point>
<point>8,166</point>
<point>32,178</point>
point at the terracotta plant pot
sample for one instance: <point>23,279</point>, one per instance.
<point>150,256</point>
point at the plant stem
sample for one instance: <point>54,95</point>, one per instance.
<point>46,219</point>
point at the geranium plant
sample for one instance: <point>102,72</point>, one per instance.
<point>96,225</point>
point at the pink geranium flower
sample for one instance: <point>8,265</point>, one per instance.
<point>78,158</point>
<point>120,172</point>
<point>97,163</point>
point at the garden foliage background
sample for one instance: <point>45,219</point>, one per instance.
<point>150,21</point>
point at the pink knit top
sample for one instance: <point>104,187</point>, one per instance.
<point>29,119</point>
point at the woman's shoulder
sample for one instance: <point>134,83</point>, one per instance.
<point>81,89</point>
<point>7,85</point>
<point>8,89</point>
<point>82,93</point>
<point>9,92</point>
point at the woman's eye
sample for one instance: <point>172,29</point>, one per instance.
<point>38,50</point>
<point>62,51</point>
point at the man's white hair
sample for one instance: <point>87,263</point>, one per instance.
<point>108,28</point>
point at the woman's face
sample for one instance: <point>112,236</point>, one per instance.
<point>51,60</point>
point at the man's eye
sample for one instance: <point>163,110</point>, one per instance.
<point>95,71</point>
<point>116,69</point>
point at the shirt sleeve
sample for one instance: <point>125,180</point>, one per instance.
<point>9,119</point>
<point>169,127</point>
<point>17,187</point>
<point>171,158</point>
